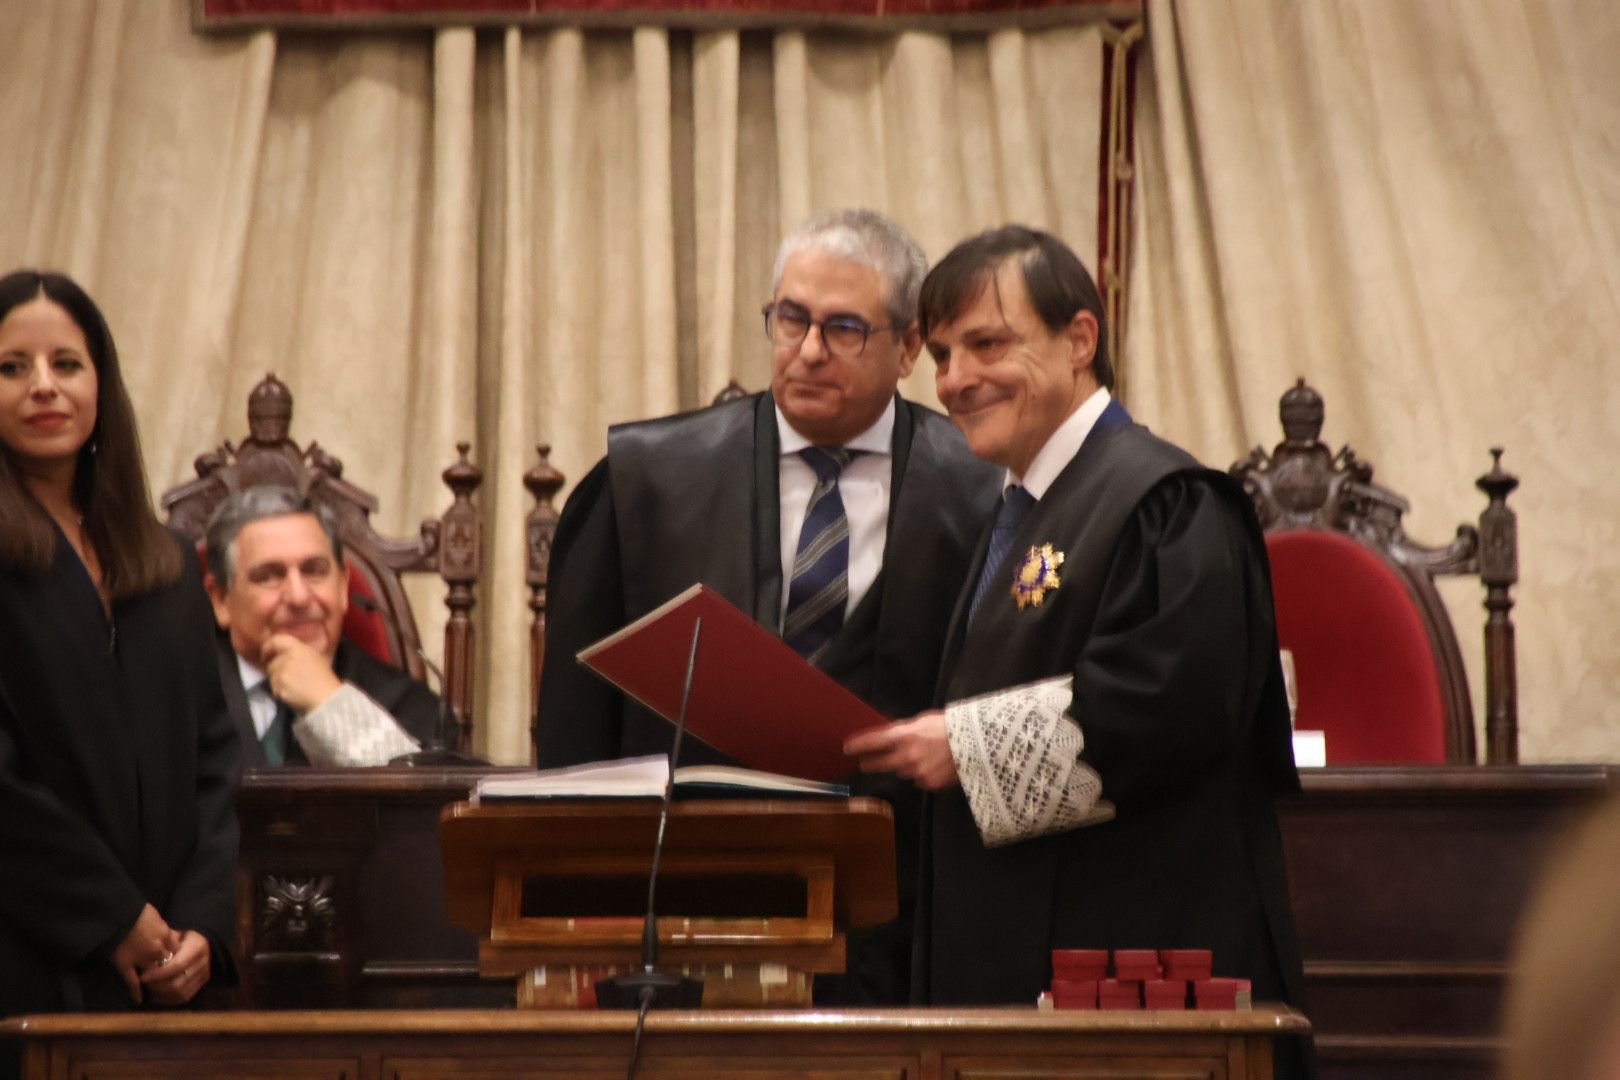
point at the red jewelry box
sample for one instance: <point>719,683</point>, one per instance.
<point>1165,994</point>
<point>1222,993</point>
<point>1079,965</point>
<point>1137,965</point>
<point>1187,964</point>
<point>1117,994</point>
<point>1077,994</point>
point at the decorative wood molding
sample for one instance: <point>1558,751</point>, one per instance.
<point>297,914</point>
<point>872,16</point>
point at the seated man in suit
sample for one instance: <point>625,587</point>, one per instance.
<point>1115,639</point>
<point>833,511</point>
<point>299,693</point>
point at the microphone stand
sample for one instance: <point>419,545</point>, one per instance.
<point>437,753</point>
<point>651,988</point>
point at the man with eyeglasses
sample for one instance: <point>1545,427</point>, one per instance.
<point>836,513</point>
<point>299,693</point>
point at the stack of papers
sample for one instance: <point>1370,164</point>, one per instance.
<point>645,778</point>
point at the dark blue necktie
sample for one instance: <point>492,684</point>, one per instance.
<point>276,736</point>
<point>819,588</point>
<point>1016,503</point>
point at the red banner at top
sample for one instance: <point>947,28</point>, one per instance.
<point>859,14</point>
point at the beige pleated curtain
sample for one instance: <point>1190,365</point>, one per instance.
<point>507,237</point>
<point>1416,205</point>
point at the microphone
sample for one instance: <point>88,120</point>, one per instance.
<point>438,752</point>
<point>651,988</point>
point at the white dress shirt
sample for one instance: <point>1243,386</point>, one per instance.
<point>1054,456</point>
<point>864,488</point>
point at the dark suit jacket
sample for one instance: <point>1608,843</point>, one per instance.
<point>415,706</point>
<point>117,777</point>
<point>694,498</point>
<point>1164,619</point>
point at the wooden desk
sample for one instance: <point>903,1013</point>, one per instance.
<point>902,1044</point>
<point>340,893</point>
<point>1406,884</point>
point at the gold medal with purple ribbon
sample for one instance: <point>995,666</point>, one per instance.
<point>1036,575</point>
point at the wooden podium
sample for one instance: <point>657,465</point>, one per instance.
<point>753,896</point>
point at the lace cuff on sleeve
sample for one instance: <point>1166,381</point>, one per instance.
<point>1018,756</point>
<point>348,729</point>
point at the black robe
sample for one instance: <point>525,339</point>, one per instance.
<point>418,709</point>
<point>1164,619</point>
<point>118,769</point>
<point>694,498</point>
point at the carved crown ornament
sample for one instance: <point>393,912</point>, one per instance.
<point>1301,483</point>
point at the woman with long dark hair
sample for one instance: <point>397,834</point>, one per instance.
<point>118,837</point>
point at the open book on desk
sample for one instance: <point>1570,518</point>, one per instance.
<point>753,698</point>
<point>645,777</point>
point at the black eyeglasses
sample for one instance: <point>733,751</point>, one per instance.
<point>844,336</point>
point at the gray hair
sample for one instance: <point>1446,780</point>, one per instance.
<point>871,239</point>
<point>242,508</point>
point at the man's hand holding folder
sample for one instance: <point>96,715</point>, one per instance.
<point>753,698</point>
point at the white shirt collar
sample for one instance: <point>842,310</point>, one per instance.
<point>252,674</point>
<point>1061,447</point>
<point>877,439</point>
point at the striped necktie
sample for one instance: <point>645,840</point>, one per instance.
<point>1016,503</point>
<point>819,589</point>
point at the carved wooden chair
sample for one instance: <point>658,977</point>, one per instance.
<point>1376,660</point>
<point>381,622</point>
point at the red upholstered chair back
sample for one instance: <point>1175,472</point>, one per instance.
<point>364,628</point>
<point>447,546</point>
<point>1376,662</point>
<point>1365,668</point>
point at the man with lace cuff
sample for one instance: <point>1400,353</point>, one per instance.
<point>299,693</point>
<point>1017,756</point>
<point>1114,640</point>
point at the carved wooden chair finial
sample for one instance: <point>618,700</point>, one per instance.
<point>543,482</point>
<point>270,407</point>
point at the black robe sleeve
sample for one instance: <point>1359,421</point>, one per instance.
<point>204,892</point>
<point>57,863</point>
<point>417,709</point>
<point>580,714</point>
<point>1167,681</point>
